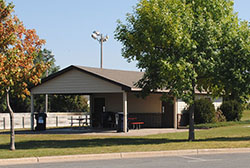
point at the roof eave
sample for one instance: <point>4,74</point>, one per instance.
<point>52,76</point>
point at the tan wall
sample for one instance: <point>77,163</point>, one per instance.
<point>75,81</point>
<point>151,104</point>
<point>113,102</point>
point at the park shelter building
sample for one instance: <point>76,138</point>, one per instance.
<point>113,91</point>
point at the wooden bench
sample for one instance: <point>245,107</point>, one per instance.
<point>136,125</point>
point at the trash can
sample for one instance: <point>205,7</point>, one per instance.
<point>40,121</point>
<point>119,122</point>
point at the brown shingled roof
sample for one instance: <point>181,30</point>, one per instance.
<point>127,78</point>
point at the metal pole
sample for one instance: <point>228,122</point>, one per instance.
<point>101,41</point>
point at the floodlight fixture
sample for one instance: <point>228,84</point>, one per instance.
<point>96,35</point>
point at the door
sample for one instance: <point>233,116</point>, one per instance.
<point>99,108</point>
<point>167,114</point>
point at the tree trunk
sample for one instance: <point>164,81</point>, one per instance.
<point>12,123</point>
<point>191,116</point>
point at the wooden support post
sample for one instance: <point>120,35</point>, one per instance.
<point>125,112</point>
<point>71,121</point>
<point>86,118</point>
<point>4,123</point>
<point>23,121</point>
<point>56,121</point>
<point>32,113</point>
<point>91,110</point>
<point>46,103</point>
<point>79,121</point>
<point>175,114</point>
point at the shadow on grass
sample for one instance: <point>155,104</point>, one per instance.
<point>103,142</point>
<point>247,138</point>
<point>107,142</point>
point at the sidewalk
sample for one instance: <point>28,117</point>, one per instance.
<point>72,158</point>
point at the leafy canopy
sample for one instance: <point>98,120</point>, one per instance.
<point>233,68</point>
<point>18,49</point>
<point>179,44</point>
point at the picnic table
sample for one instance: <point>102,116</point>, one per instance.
<point>134,124</point>
<point>79,121</point>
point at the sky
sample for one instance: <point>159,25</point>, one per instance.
<point>67,25</point>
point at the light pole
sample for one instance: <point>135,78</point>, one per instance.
<point>99,37</point>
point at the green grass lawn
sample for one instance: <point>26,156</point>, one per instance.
<point>246,115</point>
<point>35,145</point>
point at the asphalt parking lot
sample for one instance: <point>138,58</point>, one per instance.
<point>236,160</point>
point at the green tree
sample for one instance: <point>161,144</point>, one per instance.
<point>68,103</point>
<point>233,70</point>
<point>178,44</point>
<point>45,55</point>
<point>18,49</point>
<point>57,103</point>
<point>23,104</point>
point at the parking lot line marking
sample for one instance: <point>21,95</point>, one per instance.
<point>195,159</point>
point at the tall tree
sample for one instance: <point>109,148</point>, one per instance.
<point>68,103</point>
<point>233,71</point>
<point>178,44</point>
<point>23,105</point>
<point>46,56</point>
<point>18,49</point>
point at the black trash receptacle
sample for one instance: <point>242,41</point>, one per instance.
<point>40,121</point>
<point>119,122</point>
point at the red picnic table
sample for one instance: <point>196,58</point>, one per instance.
<point>135,124</point>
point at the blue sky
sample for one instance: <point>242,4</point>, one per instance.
<point>67,26</point>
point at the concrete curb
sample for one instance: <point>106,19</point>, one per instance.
<point>31,160</point>
<point>125,155</point>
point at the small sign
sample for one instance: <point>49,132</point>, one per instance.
<point>40,120</point>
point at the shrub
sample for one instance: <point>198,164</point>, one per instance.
<point>232,110</point>
<point>204,111</point>
<point>219,117</point>
<point>247,106</point>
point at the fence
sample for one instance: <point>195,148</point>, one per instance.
<point>22,120</point>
